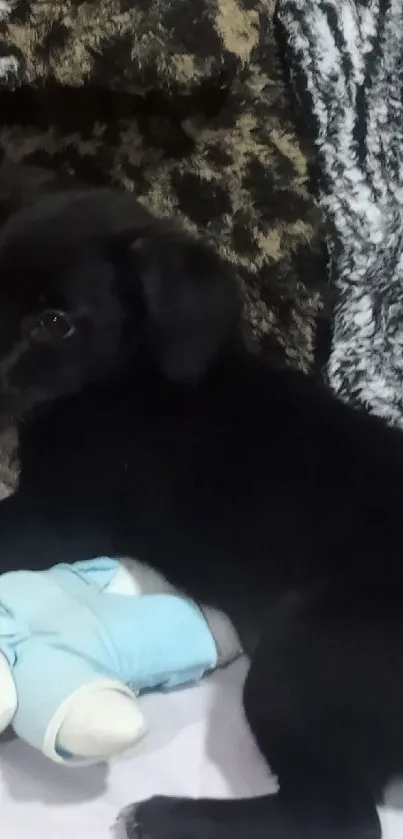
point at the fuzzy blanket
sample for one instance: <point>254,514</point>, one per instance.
<point>137,46</point>
<point>346,62</point>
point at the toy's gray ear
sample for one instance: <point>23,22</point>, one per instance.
<point>191,299</point>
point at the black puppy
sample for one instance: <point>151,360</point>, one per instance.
<point>147,428</point>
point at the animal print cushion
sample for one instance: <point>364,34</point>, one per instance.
<point>135,45</point>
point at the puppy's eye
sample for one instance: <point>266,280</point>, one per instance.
<point>51,325</point>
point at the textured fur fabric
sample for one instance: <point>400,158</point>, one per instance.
<point>143,45</point>
<point>346,61</point>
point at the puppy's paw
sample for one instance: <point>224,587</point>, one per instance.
<point>165,818</point>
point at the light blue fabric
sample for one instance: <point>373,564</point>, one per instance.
<point>60,629</point>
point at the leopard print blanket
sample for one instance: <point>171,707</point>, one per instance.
<point>346,62</point>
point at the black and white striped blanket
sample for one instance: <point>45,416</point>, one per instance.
<point>346,62</point>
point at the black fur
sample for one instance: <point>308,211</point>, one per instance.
<point>251,487</point>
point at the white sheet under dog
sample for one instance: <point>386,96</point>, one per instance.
<point>198,744</point>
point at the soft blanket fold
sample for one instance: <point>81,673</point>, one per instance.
<point>345,59</point>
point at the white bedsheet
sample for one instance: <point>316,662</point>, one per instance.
<point>193,748</point>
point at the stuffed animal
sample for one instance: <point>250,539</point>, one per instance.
<point>80,642</point>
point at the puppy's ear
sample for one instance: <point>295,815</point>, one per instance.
<point>192,302</point>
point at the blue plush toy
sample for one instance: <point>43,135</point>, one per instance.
<point>80,642</point>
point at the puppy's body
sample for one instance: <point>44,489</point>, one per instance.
<point>250,487</point>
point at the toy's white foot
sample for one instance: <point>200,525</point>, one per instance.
<point>100,724</point>
<point>8,694</point>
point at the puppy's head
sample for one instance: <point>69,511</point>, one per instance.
<point>89,280</point>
